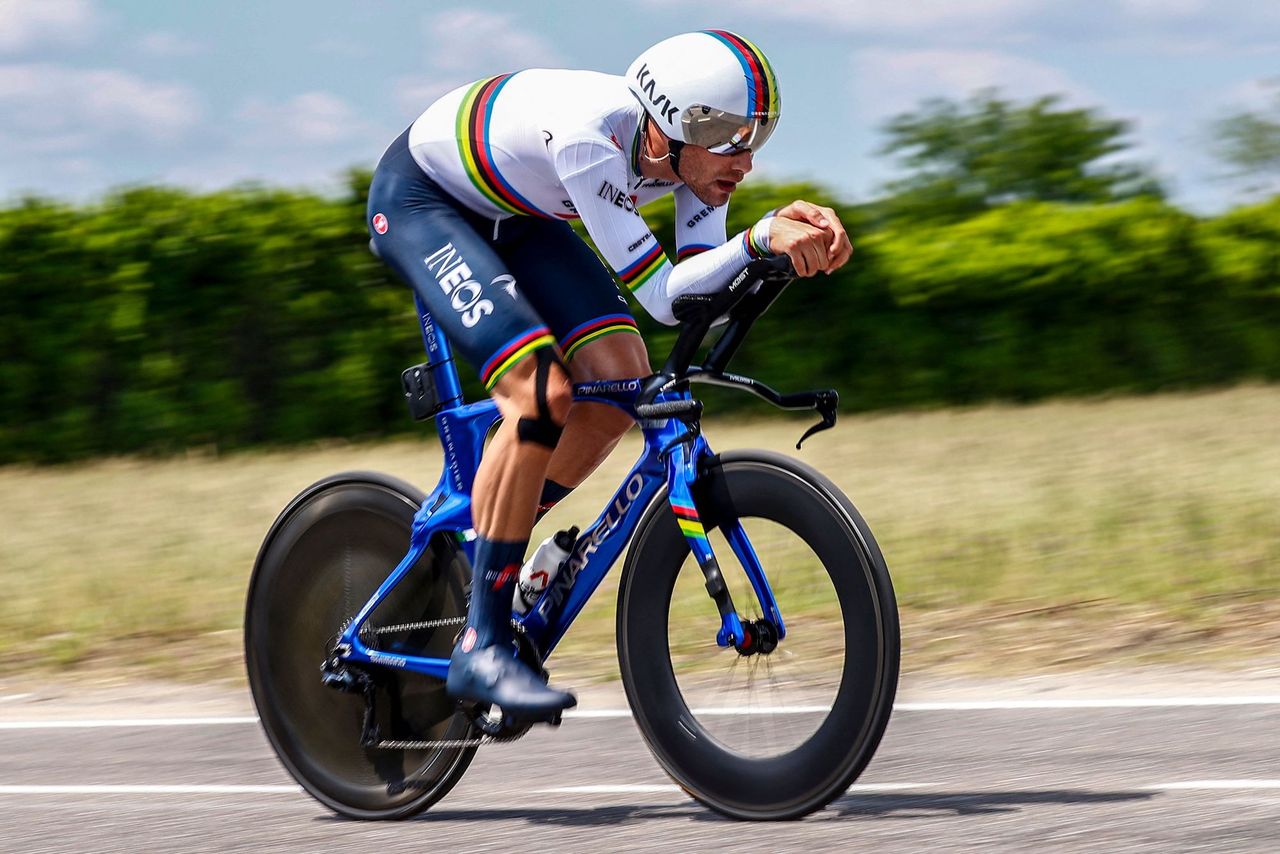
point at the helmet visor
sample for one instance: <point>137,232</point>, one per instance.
<point>725,133</point>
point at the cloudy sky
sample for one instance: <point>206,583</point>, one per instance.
<point>98,93</point>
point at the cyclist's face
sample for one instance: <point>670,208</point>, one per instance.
<point>713,177</point>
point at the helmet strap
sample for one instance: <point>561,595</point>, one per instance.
<point>675,148</point>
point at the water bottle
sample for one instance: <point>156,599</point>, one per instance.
<point>541,569</point>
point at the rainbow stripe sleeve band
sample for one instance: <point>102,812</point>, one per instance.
<point>641,270</point>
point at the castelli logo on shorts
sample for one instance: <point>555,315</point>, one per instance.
<point>380,223</point>
<point>468,639</point>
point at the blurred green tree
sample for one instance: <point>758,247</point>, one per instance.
<point>1250,142</point>
<point>963,158</point>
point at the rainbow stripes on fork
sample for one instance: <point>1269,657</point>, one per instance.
<point>690,524</point>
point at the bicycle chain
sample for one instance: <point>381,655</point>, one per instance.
<point>413,627</point>
<point>429,745</point>
<point>428,624</point>
<point>448,743</point>
<point>441,744</point>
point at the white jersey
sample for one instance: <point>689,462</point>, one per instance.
<point>566,145</point>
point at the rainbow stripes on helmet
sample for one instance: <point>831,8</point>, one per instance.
<point>763,98</point>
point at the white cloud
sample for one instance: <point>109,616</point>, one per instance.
<point>166,44</point>
<point>1257,94</point>
<point>26,24</point>
<point>464,45</point>
<point>343,48</point>
<point>464,40</point>
<point>50,105</point>
<point>311,119</point>
<point>1165,8</point>
<point>1155,26</point>
<point>886,82</point>
<point>415,94</point>
<point>951,18</point>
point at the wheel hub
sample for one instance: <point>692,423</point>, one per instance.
<point>760,637</point>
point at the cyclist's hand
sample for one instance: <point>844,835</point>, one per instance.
<point>838,246</point>
<point>804,244</point>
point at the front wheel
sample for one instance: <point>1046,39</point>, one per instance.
<point>772,735</point>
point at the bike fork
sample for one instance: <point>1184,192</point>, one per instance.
<point>751,637</point>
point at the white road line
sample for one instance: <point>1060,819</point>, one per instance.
<point>953,706</point>
<point>125,722</point>
<point>1098,703</point>
<point>716,711</point>
<point>640,789</point>
<point>974,705</point>
<point>621,789</point>
<point>618,789</point>
<point>150,790</point>
<point>1217,784</point>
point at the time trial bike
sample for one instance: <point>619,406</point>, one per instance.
<point>757,631</point>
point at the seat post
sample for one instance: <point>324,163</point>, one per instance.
<point>439,358</point>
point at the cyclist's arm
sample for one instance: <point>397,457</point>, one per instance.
<point>595,176</point>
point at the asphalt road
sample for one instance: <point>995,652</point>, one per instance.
<point>1050,775</point>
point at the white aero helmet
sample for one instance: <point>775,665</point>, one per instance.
<point>712,88</point>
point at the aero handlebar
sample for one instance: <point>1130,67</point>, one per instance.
<point>747,297</point>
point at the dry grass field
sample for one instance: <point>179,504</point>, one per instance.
<point>1064,534</point>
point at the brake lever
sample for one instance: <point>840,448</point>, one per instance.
<point>826,406</point>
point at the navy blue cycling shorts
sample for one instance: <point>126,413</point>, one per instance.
<point>497,298</point>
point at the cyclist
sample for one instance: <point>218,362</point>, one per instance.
<point>470,207</point>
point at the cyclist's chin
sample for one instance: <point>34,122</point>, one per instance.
<point>714,193</point>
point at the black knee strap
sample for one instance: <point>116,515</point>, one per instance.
<point>542,430</point>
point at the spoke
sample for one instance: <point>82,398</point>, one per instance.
<point>798,672</point>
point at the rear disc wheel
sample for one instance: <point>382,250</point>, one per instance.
<point>323,559</point>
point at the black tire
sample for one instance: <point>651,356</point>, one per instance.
<point>736,767</point>
<point>323,558</point>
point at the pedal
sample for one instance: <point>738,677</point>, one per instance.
<point>505,726</point>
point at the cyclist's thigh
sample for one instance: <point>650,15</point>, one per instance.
<point>570,289</point>
<point>460,278</point>
<point>610,358</point>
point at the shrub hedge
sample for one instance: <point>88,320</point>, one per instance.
<point>160,319</point>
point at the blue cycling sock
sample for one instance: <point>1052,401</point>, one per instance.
<point>493,581</point>
<point>552,494</point>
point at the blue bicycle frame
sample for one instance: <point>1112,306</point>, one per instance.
<point>671,457</point>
